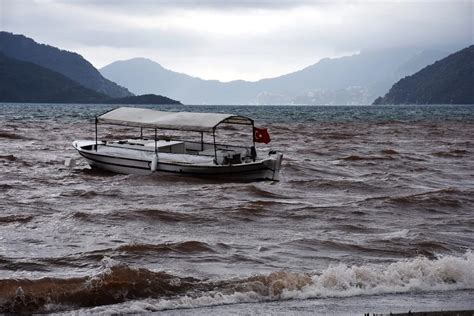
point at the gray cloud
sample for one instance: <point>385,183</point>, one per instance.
<point>253,38</point>
<point>196,4</point>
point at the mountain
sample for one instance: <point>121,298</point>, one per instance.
<point>143,99</point>
<point>27,82</point>
<point>447,81</point>
<point>69,64</point>
<point>355,79</point>
<point>142,76</point>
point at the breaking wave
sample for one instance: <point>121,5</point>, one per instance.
<point>9,135</point>
<point>117,283</point>
<point>8,219</point>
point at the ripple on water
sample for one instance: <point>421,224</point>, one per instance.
<point>353,193</point>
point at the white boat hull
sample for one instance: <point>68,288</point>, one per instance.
<point>266,169</point>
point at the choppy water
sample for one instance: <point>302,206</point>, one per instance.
<point>374,212</point>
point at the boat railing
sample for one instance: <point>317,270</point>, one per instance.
<point>207,151</point>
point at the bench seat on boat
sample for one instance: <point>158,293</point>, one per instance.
<point>186,159</point>
<point>148,155</point>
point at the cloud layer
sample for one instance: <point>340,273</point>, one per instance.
<point>237,39</point>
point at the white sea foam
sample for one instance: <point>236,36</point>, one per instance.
<point>416,275</point>
<point>419,274</point>
<point>404,233</point>
<point>107,264</point>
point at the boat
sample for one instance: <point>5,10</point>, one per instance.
<point>159,154</point>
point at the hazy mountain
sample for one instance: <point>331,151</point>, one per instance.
<point>27,82</point>
<point>447,81</point>
<point>356,79</point>
<point>142,76</point>
<point>69,64</point>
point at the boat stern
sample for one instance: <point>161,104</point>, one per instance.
<point>274,164</point>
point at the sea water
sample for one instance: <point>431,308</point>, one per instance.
<point>374,213</point>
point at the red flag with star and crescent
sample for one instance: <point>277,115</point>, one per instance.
<point>261,135</point>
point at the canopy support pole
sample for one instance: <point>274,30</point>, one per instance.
<point>141,132</point>
<point>202,141</point>
<point>156,148</point>
<point>253,151</point>
<point>215,147</point>
<point>253,133</point>
<point>96,133</point>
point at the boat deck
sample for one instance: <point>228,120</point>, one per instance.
<point>171,151</point>
<point>147,154</point>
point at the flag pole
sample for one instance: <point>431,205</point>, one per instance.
<point>215,148</point>
<point>253,151</point>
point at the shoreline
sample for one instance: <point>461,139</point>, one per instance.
<point>429,313</point>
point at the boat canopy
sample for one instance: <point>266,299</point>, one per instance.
<point>183,121</point>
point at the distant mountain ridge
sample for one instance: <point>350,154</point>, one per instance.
<point>447,81</point>
<point>22,81</point>
<point>356,79</point>
<point>25,82</point>
<point>146,76</point>
<point>69,64</point>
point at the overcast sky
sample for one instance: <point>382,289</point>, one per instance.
<point>229,40</point>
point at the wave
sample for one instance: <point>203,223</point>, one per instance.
<point>114,284</point>
<point>454,153</point>
<point>140,214</point>
<point>161,215</point>
<point>80,193</point>
<point>92,171</point>
<point>8,135</point>
<point>261,192</point>
<point>338,184</point>
<point>191,246</point>
<point>336,135</point>
<point>437,200</point>
<point>257,208</point>
<point>8,157</point>
<point>117,283</point>
<point>89,258</point>
<point>359,158</point>
<point>419,274</point>
<point>5,186</point>
<point>377,248</point>
<point>88,194</point>
<point>445,197</point>
<point>8,219</point>
<point>14,159</point>
<point>389,152</point>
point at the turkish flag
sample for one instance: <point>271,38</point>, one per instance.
<point>261,135</point>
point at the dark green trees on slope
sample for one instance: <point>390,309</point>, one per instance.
<point>144,99</point>
<point>69,64</point>
<point>38,73</point>
<point>27,82</point>
<point>447,81</point>
<point>24,82</point>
